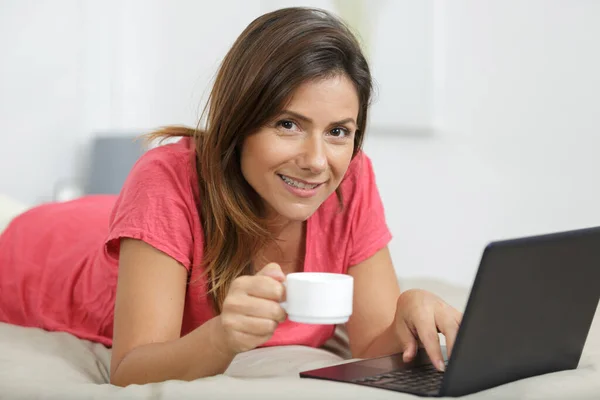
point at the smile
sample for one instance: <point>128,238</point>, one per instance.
<point>299,184</point>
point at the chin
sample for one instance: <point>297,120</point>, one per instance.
<point>299,214</point>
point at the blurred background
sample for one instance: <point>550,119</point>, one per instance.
<point>485,124</point>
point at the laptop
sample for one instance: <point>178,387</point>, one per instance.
<point>529,313</point>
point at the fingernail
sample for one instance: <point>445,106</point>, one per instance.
<point>441,366</point>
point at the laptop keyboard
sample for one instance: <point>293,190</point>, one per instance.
<point>421,379</point>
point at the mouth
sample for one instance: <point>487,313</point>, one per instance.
<point>299,184</point>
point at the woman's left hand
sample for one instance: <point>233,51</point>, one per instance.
<point>420,315</point>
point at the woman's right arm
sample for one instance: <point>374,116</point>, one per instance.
<point>148,315</point>
<point>151,289</point>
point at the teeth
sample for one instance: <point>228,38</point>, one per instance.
<point>297,184</point>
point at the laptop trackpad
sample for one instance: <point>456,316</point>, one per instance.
<point>362,368</point>
<point>346,372</point>
<point>370,367</point>
<point>387,364</point>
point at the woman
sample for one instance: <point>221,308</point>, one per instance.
<point>190,270</point>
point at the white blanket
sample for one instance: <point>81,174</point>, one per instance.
<point>39,364</point>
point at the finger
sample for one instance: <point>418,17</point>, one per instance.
<point>272,270</point>
<point>251,325</point>
<point>428,334</point>
<point>264,287</point>
<point>458,316</point>
<point>408,342</point>
<point>448,326</point>
<point>248,341</point>
<point>410,352</point>
<point>256,307</point>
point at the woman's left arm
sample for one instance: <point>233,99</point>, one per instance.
<point>384,321</point>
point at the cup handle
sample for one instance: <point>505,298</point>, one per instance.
<point>283,304</point>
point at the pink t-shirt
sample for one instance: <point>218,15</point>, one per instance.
<point>68,281</point>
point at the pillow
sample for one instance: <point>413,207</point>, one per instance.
<point>9,208</point>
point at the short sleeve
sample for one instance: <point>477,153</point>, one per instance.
<point>369,230</point>
<point>155,206</point>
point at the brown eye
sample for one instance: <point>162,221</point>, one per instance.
<point>287,124</point>
<point>339,132</point>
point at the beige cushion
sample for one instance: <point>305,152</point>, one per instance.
<point>35,364</point>
<point>39,364</point>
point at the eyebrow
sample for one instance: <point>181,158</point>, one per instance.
<point>310,121</point>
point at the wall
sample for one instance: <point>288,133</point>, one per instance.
<point>74,69</point>
<point>517,141</point>
<point>513,102</point>
<point>41,113</point>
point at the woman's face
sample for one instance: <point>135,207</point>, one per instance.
<point>298,159</point>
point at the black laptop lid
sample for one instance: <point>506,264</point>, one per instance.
<point>530,310</point>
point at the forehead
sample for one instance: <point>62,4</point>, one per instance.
<point>332,98</point>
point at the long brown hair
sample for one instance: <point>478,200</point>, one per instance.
<point>275,54</point>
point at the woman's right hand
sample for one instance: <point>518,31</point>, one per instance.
<point>251,311</point>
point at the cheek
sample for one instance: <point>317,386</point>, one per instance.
<point>258,158</point>
<point>248,162</point>
<point>341,163</point>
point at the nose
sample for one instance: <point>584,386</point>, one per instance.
<point>314,157</point>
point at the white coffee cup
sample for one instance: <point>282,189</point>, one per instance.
<point>318,297</point>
